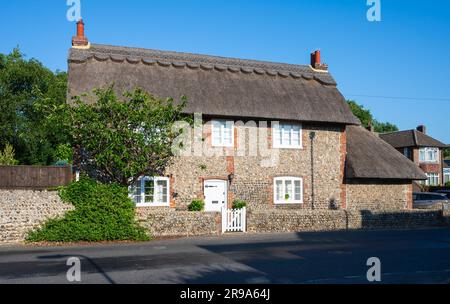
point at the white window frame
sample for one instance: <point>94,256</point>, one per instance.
<point>285,128</point>
<point>446,176</point>
<point>431,176</point>
<point>291,200</point>
<point>223,124</point>
<point>425,152</point>
<point>142,181</point>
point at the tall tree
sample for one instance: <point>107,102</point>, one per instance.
<point>119,139</point>
<point>367,119</point>
<point>23,85</point>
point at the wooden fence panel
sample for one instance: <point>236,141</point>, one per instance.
<point>34,177</point>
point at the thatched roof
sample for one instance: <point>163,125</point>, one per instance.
<point>411,138</point>
<point>369,157</point>
<point>214,85</point>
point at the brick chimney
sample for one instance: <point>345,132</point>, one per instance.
<point>80,41</point>
<point>422,129</point>
<point>316,61</point>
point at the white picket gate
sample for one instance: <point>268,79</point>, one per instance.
<point>234,220</point>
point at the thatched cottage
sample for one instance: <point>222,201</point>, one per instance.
<point>324,158</point>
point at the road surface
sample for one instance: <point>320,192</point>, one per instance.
<point>414,256</point>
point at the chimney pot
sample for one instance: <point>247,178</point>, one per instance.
<point>316,61</point>
<point>80,39</point>
<point>80,28</point>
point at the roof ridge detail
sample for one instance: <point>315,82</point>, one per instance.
<point>196,61</point>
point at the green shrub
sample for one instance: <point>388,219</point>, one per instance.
<point>239,204</point>
<point>7,156</point>
<point>447,184</point>
<point>102,213</point>
<point>197,205</point>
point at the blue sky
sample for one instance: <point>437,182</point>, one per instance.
<point>404,55</point>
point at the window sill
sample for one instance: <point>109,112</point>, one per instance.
<point>288,148</point>
<point>289,203</point>
<point>152,205</point>
<point>220,146</point>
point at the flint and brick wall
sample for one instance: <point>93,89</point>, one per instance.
<point>23,210</point>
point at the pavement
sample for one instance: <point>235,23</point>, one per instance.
<point>406,256</point>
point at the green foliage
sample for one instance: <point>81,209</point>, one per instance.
<point>7,156</point>
<point>367,119</point>
<point>24,84</point>
<point>124,138</point>
<point>239,204</point>
<point>384,127</point>
<point>197,205</point>
<point>447,184</point>
<point>447,153</point>
<point>102,213</point>
<point>64,153</point>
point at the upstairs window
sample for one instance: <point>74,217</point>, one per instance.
<point>287,136</point>
<point>288,190</point>
<point>407,152</point>
<point>222,133</point>
<point>430,155</point>
<point>151,191</point>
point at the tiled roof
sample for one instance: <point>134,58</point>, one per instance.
<point>411,138</point>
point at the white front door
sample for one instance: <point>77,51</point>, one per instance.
<point>215,195</point>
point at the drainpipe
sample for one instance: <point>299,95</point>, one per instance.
<point>312,136</point>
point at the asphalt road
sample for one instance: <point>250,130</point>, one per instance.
<point>414,256</point>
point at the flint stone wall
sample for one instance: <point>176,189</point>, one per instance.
<point>24,210</point>
<point>326,220</point>
<point>171,223</point>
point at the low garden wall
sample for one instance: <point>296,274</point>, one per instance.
<point>171,223</point>
<point>324,220</point>
<point>23,210</point>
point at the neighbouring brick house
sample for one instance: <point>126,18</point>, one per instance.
<point>324,158</point>
<point>425,151</point>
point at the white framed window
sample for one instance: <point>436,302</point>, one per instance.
<point>151,192</point>
<point>433,179</point>
<point>222,133</point>
<point>446,176</point>
<point>287,136</point>
<point>288,190</point>
<point>429,155</point>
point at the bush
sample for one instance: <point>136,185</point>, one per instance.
<point>447,184</point>
<point>238,204</point>
<point>7,156</point>
<point>102,213</point>
<point>197,205</point>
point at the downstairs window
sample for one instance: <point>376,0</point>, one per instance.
<point>288,190</point>
<point>151,192</point>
